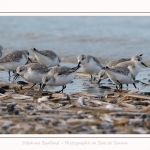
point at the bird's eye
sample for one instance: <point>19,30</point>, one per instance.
<point>46,80</point>
<point>138,59</point>
<point>101,76</point>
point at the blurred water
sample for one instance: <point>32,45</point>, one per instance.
<point>104,37</point>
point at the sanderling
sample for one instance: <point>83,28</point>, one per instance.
<point>32,72</point>
<point>14,59</point>
<point>120,75</point>
<point>59,76</point>
<point>46,57</point>
<point>89,64</point>
<point>134,65</point>
<point>103,75</point>
<point>1,53</point>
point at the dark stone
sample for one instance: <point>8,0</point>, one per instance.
<point>148,119</point>
<point>10,108</point>
<point>46,121</point>
<point>140,107</point>
<point>38,119</point>
<point>146,93</point>
<point>6,87</point>
<point>22,83</point>
<point>29,107</point>
<point>143,116</point>
<point>2,90</point>
<point>104,87</point>
<point>109,127</point>
<point>131,117</point>
<point>16,112</point>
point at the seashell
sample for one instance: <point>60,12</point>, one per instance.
<point>80,112</point>
<point>4,97</point>
<point>43,99</point>
<point>46,106</point>
<point>79,102</point>
<point>110,107</point>
<point>19,97</point>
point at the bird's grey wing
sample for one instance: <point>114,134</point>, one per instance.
<point>39,68</point>
<point>48,53</point>
<point>124,64</point>
<point>117,61</point>
<point>120,70</point>
<point>95,59</point>
<point>12,57</point>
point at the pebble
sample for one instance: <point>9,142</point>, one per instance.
<point>5,87</point>
<point>16,112</point>
<point>143,116</point>
<point>7,124</point>
<point>104,87</point>
<point>110,107</point>
<point>22,83</point>
<point>80,112</point>
<point>139,107</point>
<point>2,90</point>
<point>10,108</point>
<point>43,99</point>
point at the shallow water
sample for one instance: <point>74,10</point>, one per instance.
<point>82,84</point>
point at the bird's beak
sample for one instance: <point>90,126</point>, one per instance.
<point>141,55</point>
<point>143,64</point>
<point>16,76</point>
<point>29,59</point>
<point>42,87</point>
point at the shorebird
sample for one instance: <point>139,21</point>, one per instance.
<point>89,64</point>
<point>46,57</point>
<point>134,65</point>
<point>32,72</point>
<point>103,75</point>
<point>14,59</point>
<point>120,75</point>
<point>59,76</point>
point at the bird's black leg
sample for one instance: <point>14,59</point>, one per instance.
<point>127,86</point>
<point>40,86</point>
<point>63,87</point>
<point>9,74</point>
<point>32,85</point>
<point>99,81</point>
<point>116,87</point>
<point>120,85</point>
<point>134,85</point>
<point>91,77</point>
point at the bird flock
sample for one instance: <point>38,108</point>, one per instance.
<point>48,71</point>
